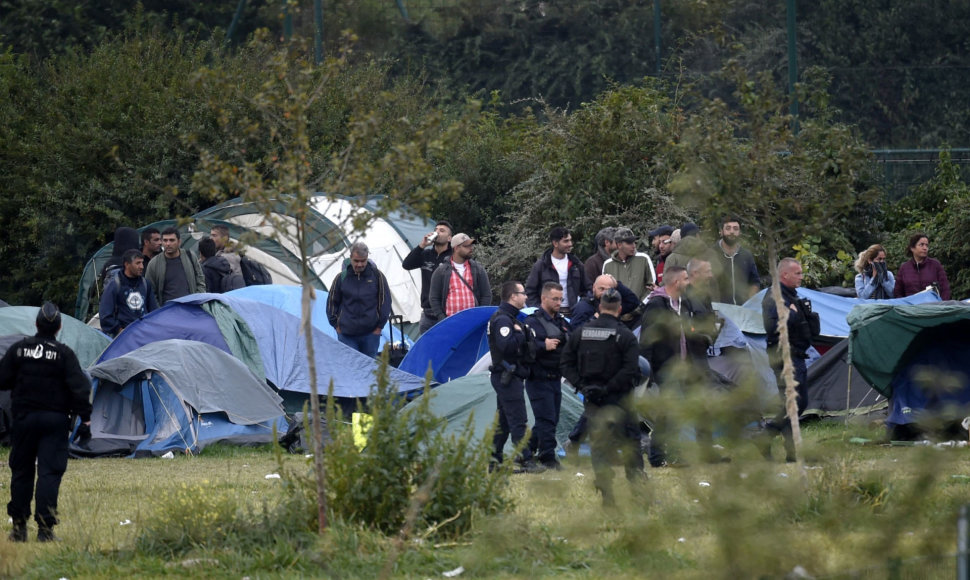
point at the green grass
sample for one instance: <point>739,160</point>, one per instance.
<point>853,507</point>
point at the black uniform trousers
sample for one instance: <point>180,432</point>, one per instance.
<point>613,428</point>
<point>40,436</point>
<point>781,422</point>
<point>512,417</point>
<point>545,396</point>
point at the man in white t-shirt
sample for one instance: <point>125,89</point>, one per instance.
<point>558,265</point>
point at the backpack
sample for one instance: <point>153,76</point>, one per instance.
<point>254,273</point>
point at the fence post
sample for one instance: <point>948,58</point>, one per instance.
<point>963,550</point>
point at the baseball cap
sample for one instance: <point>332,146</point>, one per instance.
<point>689,229</point>
<point>663,230</point>
<point>624,235</point>
<point>459,239</point>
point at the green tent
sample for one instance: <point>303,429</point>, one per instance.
<point>473,395</point>
<point>884,338</point>
<point>86,342</point>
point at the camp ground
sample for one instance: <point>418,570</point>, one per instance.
<point>330,227</point>
<point>177,396</point>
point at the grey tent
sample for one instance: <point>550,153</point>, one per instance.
<point>835,388</point>
<point>178,395</point>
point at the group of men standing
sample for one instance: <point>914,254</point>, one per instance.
<point>161,270</point>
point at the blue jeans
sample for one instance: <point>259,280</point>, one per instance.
<point>364,343</point>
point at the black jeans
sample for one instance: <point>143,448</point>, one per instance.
<point>545,396</point>
<point>512,417</point>
<point>39,436</point>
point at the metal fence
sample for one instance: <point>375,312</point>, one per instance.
<point>901,170</point>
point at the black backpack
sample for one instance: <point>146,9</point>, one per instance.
<point>254,273</point>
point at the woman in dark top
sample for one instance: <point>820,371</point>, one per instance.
<point>921,271</point>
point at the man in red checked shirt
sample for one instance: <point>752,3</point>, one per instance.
<point>459,283</point>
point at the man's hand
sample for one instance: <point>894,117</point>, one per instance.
<point>425,241</point>
<point>552,343</point>
<point>377,330</point>
<point>83,432</point>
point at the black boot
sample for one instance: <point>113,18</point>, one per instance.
<point>45,534</point>
<point>19,531</point>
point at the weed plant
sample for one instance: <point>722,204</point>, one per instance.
<point>409,462</point>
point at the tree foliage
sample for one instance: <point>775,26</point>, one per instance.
<point>607,163</point>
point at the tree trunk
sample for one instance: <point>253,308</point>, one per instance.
<point>787,370</point>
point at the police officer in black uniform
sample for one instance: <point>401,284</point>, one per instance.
<point>513,353</point>
<point>544,386</point>
<point>601,361</point>
<point>48,385</point>
<point>803,326</point>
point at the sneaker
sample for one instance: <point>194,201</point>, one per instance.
<point>45,534</point>
<point>19,531</point>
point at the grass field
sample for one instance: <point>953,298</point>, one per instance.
<point>890,511</point>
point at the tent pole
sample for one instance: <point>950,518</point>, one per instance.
<point>848,396</point>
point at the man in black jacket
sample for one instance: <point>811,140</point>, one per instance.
<point>509,343</point>
<point>48,386</point>
<point>600,361</point>
<point>433,250</point>
<point>676,351</point>
<point>803,325</point>
<point>218,272</point>
<point>550,331</point>
<point>557,264</point>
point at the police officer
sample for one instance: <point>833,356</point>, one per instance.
<point>510,345</point>
<point>544,385</point>
<point>803,326</point>
<point>600,361</point>
<point>48,385</point>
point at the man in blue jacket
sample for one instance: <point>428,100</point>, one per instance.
<point>127,295</point>
<point>360,302</point>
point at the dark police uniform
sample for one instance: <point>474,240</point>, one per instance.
<point>48,385</point>
<point>803,325</point>
<point>509,344</point>
<point>544,385</point>
<point>600,361</point>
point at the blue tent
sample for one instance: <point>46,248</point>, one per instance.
<point>179,396</point>
<point>452,346</point>
<point>832,310</point>
<point>290,299</point>
<point>268,340</point>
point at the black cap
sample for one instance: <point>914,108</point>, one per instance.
<point>689,229</point>
<point>663,230</point>
<point>48,318</point>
